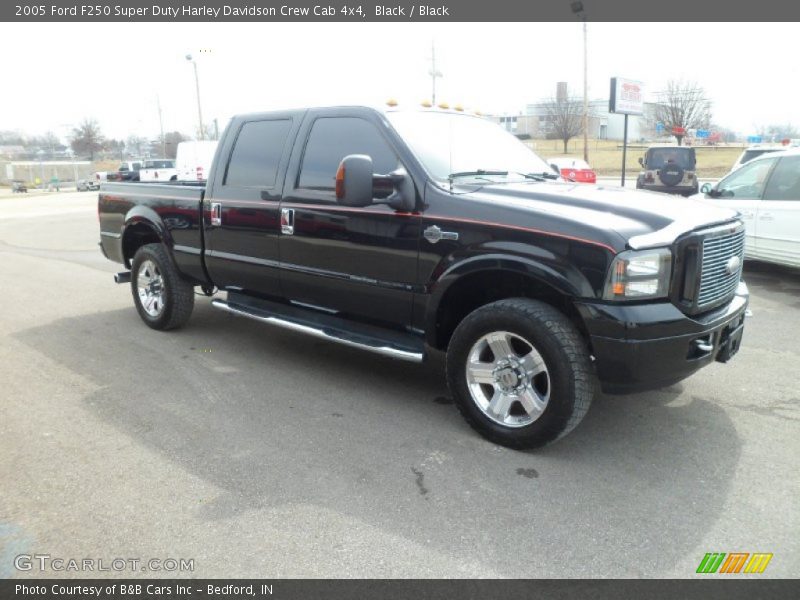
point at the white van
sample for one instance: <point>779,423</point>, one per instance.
<point>193,160</point>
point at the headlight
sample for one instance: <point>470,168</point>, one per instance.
<point>639,275</point>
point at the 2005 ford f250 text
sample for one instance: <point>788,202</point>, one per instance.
<point>408,231</point>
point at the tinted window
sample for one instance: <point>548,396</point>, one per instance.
<point>257,152</point>
<point>749,155</point>
<point>784,184</point>
<point>331,140</point>
<point>658,157</point>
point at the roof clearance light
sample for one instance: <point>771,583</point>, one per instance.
<point>391,102</point>
<point>426,103</point>
<point>444,105</point>
<point>459,108</point>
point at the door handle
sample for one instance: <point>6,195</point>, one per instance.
<point>765,217</point>
<point>433,234</point>
<point>216,214</point>
<point>746,214</point>
<point>287,221</point>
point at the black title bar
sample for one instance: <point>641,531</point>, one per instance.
<point>677,11</point>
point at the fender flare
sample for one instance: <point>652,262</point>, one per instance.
<point>568,281</point>
<point>143,215</point>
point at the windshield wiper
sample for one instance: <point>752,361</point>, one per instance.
<point>475,173</point>
<point>541,176</point>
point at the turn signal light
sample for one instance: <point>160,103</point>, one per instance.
<point>340,182</point>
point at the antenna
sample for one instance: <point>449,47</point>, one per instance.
<point>161,126</point>
<point>433,73</point>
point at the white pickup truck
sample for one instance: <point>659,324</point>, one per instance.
<point>158,169</point>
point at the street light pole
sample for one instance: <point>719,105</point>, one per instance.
<point>577,9</point>
<point>197,89</point>
<point>433,73</point>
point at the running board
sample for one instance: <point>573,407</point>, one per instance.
<point>403,346</point>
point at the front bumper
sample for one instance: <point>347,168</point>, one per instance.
<point>650,346</point>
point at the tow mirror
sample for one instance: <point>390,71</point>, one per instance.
<point>641,161</point>
<point>354,181</point>
<point>705,188</point>
<point>357,185</point>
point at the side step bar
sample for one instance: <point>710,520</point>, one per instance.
<point>335,329</point>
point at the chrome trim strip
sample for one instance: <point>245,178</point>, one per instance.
<point>415,357</point>
<point>109,234</point>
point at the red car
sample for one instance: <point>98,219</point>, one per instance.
<point>573,169</point>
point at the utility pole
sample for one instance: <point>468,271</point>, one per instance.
<point>433,73</point>
<point>161,126</point>
<point>197,89</point>
<point>585,95</point>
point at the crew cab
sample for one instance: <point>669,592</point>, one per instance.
<point>158,169</point>
<point>411,232</point>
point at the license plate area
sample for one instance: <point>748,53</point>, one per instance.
<point>730,339</point>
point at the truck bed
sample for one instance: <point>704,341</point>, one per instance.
<point>175,207</point>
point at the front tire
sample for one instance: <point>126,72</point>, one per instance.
<point>163,299</point>
<point>520,373</point>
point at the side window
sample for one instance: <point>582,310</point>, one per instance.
<point>333,138</point>
<point>747,183</point>
<point>784,184</point>
<point>257,153</point>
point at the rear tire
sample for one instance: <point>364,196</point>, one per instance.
<point>163,299</point>
<point>520,373</point>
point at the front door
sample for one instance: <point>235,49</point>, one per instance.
<point>351,260</point>
<point>778,214</point>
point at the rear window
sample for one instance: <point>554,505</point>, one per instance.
<point>257,153</point>
<point>159,164</point>
<point>657,158</point>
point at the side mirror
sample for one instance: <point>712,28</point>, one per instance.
<point>641,161</point>
<point>357,185</point>
<point>354,181</point>
<point>705,188</point>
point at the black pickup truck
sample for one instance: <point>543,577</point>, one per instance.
<point>404,232</point>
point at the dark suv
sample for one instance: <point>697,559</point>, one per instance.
<point>668,169</point>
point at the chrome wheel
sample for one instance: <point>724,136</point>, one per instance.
<point>150,287</point>
<point>508,379</point>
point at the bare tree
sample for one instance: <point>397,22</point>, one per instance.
<point>87,139</point>
<point>564,118</point>
<point>682,105</point>
<point>136,145</point>
<point>171,141</point>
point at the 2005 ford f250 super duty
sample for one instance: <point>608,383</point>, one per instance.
<point>406,231</point>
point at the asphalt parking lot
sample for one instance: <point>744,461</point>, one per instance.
<point>262,453</point>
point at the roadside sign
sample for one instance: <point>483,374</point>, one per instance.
<point>753,139</point>
<point>702,133</point>
<point>678,131</point>
<point>659,128</point>
<point>627,97</point>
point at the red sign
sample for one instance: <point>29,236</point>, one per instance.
<point>678,130</point>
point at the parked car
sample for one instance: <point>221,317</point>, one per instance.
<point>85,185</point>
<point>573,169</point>
<point>19,187</point>
<point>402,232</point>
<point>755,151</point>
<point>193,160</point>
<point>127,171</point>
<point>669,169</point>
<point>158,169</point>
<point>766,192</point>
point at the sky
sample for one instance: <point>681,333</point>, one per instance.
<point>117,73</point>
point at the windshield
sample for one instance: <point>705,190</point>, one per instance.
<point>470,147</point>
<point>749,155</point>
<point>657,158</point>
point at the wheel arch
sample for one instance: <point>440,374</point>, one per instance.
<point>142,226</point>
<point>474,283</point>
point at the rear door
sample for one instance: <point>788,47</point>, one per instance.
<point>241,210</point>
<point>778,214</point>
<point>351,260</point>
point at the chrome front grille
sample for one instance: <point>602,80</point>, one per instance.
<point>718,280</point>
